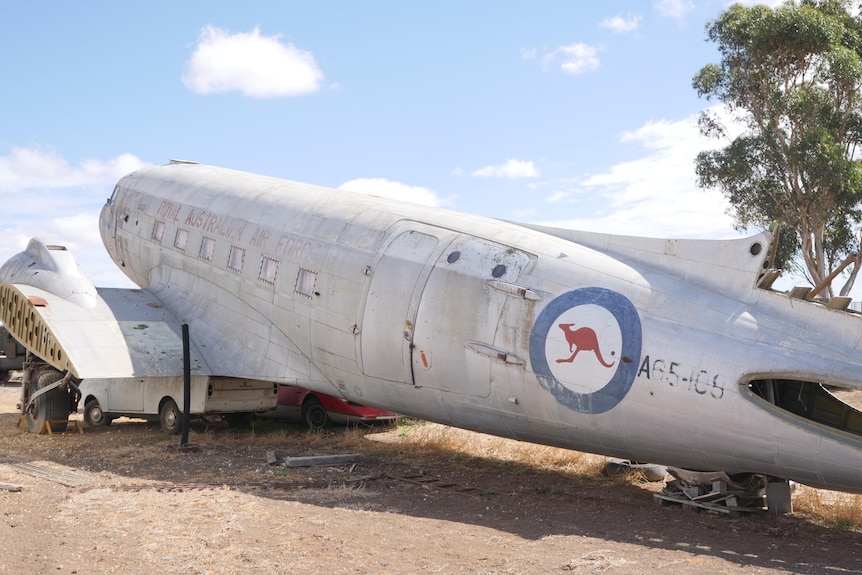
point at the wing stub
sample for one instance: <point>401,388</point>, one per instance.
<point>21,316</point>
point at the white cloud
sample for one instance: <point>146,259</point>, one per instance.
<point>258,66</point>
<point>675,9</point>
<point>621,24</point>
<point>44,195</point>
<point>656,195</point>
<point>384,188</point>
<point>574,58</point>
<point>26,168</point>
<point>511,169</point>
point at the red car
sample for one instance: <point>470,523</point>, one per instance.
<point>318,410</point>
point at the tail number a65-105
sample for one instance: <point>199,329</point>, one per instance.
<point>676,375</point>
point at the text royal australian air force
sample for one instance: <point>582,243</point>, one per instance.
<point>232,229</point>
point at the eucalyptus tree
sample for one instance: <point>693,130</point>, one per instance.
<point>791,77</point>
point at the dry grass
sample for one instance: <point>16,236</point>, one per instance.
<point>832,508</point>
<point>275,432</point>
<point>433,436</point>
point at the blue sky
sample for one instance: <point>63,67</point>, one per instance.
<point>576,114</point>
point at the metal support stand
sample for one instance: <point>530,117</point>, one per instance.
<point>187,388</point>
<point>778,500</point>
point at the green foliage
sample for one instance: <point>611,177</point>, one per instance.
<point>792,77</point>
<point>405,426</point>
<point>844,524</point>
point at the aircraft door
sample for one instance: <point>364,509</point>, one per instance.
<point>456,324</point>
<point>390,307</point>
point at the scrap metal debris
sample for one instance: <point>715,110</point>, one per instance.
<point>714,491</point>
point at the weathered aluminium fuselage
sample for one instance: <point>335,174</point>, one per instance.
<point>652,350</point>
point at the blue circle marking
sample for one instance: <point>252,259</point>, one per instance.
<point>629,322</point>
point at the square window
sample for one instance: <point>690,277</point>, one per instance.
<point>305,282</point>
<point>181,240</point>
<point>235,259</point>
<point>268,269</point>
<point>207,249</point>
<point>158,231</point>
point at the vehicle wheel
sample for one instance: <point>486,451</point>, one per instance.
<point>170,417</point>
<point>94,416</point>
<point>238,420</point>
<point>52,406</point>
<point>314,415</point>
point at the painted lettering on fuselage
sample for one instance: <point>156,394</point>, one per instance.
<point>292,247</point>
<point>673,374</point>
<point>259,237</point>
<point>289,246</point>
<point>169,210</point>
<point>208,222</point>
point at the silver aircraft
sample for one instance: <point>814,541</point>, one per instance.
<point>676,352</point>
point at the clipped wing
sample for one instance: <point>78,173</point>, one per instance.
<point>120,333</point>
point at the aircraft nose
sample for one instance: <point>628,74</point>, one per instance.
<point>106,228</point>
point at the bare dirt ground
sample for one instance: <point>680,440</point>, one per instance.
<point>122,499</point>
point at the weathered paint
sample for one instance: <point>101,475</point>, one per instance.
<point>632,347</point>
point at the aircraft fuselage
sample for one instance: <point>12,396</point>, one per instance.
<point>652,350</point>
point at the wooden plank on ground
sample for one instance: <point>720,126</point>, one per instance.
<point>322,460</point>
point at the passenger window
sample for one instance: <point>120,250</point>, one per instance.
<point>235,259</point>
<point>158,231</point>
<point>207,249</point>
<point>181,240</point>
<point>305,282</point>
<point>268,269</point>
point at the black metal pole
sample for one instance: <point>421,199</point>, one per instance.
<point>187,388</point>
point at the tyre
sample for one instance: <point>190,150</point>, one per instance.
<point>94,416</point>
<point>313,414</point>
<point>49,407</point>
<point>170,417</point>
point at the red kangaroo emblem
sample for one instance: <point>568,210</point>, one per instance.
<point>581,339</point>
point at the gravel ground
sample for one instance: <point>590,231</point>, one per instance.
<point>124,499</point>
